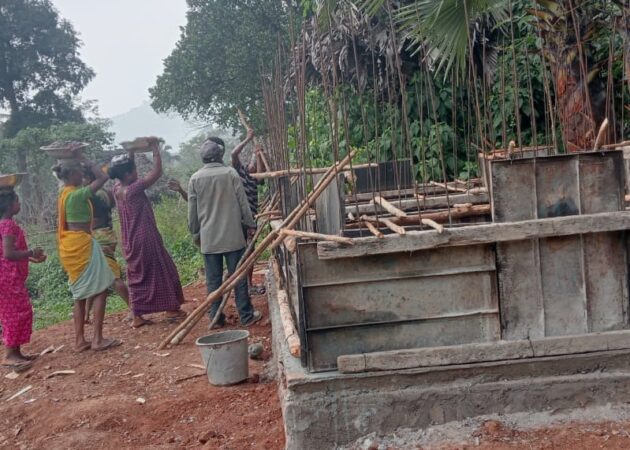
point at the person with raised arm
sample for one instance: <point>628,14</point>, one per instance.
<point>152,278</point>
<point>81,256</point>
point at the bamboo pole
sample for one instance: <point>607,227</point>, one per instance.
<point>439,216</point>
<point>388,223</point>
<point>375,231</point>
<point>288,325</point>
<point>433,224</point>
<point>388,207</point>
<point>298,172</point>
<point>601,134</point>
<point>317,236</point>
<point>272,241</point>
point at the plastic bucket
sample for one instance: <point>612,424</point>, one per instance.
<point>224,356</point>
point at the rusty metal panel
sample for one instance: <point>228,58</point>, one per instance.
<point>520,290</point>
<point>442,261</point>
<point>563,286</point>
<point>396,300</point>
<point>326,345</point>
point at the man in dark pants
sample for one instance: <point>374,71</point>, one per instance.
<point>217,211</point>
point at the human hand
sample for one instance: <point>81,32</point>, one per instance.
<point>174,185</point>
<point>250,134</point>
<point>37,255</point>
<point>251,232</point>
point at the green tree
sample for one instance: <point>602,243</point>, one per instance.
<point>215,66</point>
<point>40,70</point>
<point>40,207</point>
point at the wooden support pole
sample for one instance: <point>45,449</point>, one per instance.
<point>386,222</point>
<point>273,240</point>
<point>288,325</point>
<point>436,226</point>
<point>375,231</point>
<point>300,172</point>
<point>601,135</point>
<point>447,187</point>
<point>388,207</point>
<point>317,236</point>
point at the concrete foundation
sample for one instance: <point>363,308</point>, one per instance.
<point>327,410</point>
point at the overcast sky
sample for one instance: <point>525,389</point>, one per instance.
<point>125,42</point>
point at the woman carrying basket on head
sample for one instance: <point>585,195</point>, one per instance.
<point>152,277</point>
<point>81,256</point>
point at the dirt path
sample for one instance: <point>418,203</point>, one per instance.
<point>99,406</point>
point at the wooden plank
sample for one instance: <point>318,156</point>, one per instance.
<point>435,356</point>
<point>562,279</point>
<point>513,190</point>
<point>522,313</point>
<point>557,188</point>
<point>606,281</point>
<point>425,203</point>
<point>394,266</point>
<point>483,352</point>
<point>329,207</point>
<point>400,299</point>
<point>326,345</point>
<point>479,234</point>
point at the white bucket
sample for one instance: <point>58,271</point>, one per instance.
<point>224,356</point>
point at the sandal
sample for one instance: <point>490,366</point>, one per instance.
<point>19,367</point>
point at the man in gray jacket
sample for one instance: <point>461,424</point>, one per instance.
<point>217,212</point>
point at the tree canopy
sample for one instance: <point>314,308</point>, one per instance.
<point>214,67</point>
<point>40,69</point>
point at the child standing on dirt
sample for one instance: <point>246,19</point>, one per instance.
<point>16,312</point>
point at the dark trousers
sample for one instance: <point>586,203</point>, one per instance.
<point>214,279</point>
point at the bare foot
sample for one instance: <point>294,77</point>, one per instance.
<point>105,344</point>
<point>140,321</point>
<point>175,316</point>
<point>83,346</point>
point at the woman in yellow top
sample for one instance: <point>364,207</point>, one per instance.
<point>81,256</point>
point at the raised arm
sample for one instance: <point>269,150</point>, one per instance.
<point>156,171</point>
<point>246,213</point>
<point>239,148</point>
<point>100,177</point>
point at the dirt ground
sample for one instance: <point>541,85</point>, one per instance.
<point>100,406</point>
<point>135,396</point>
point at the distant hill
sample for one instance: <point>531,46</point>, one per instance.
<point>143,121</point>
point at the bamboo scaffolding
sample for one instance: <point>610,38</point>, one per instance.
<point>272,241</point>
<point>317,236</point>
<point>299,172</point>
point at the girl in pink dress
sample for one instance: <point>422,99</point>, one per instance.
<point>16,312</point>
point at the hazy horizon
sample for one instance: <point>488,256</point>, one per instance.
<point>125,43</point>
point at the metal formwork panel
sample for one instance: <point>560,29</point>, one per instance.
<point>444,296</point>
<point>564,285</point>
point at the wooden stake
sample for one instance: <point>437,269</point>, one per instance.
<point>299,172</point>
<point>438,216</point>
<point>387,222</point>
<point>447,187</point>
<point>430,223</point>
<point>601,134</point>
<point>388,207</point>
<point>288,325</point>
<point>375,231</point>
<point>273,240</point>
<point>317,236</point>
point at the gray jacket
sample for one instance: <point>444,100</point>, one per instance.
<point>218,209</point>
